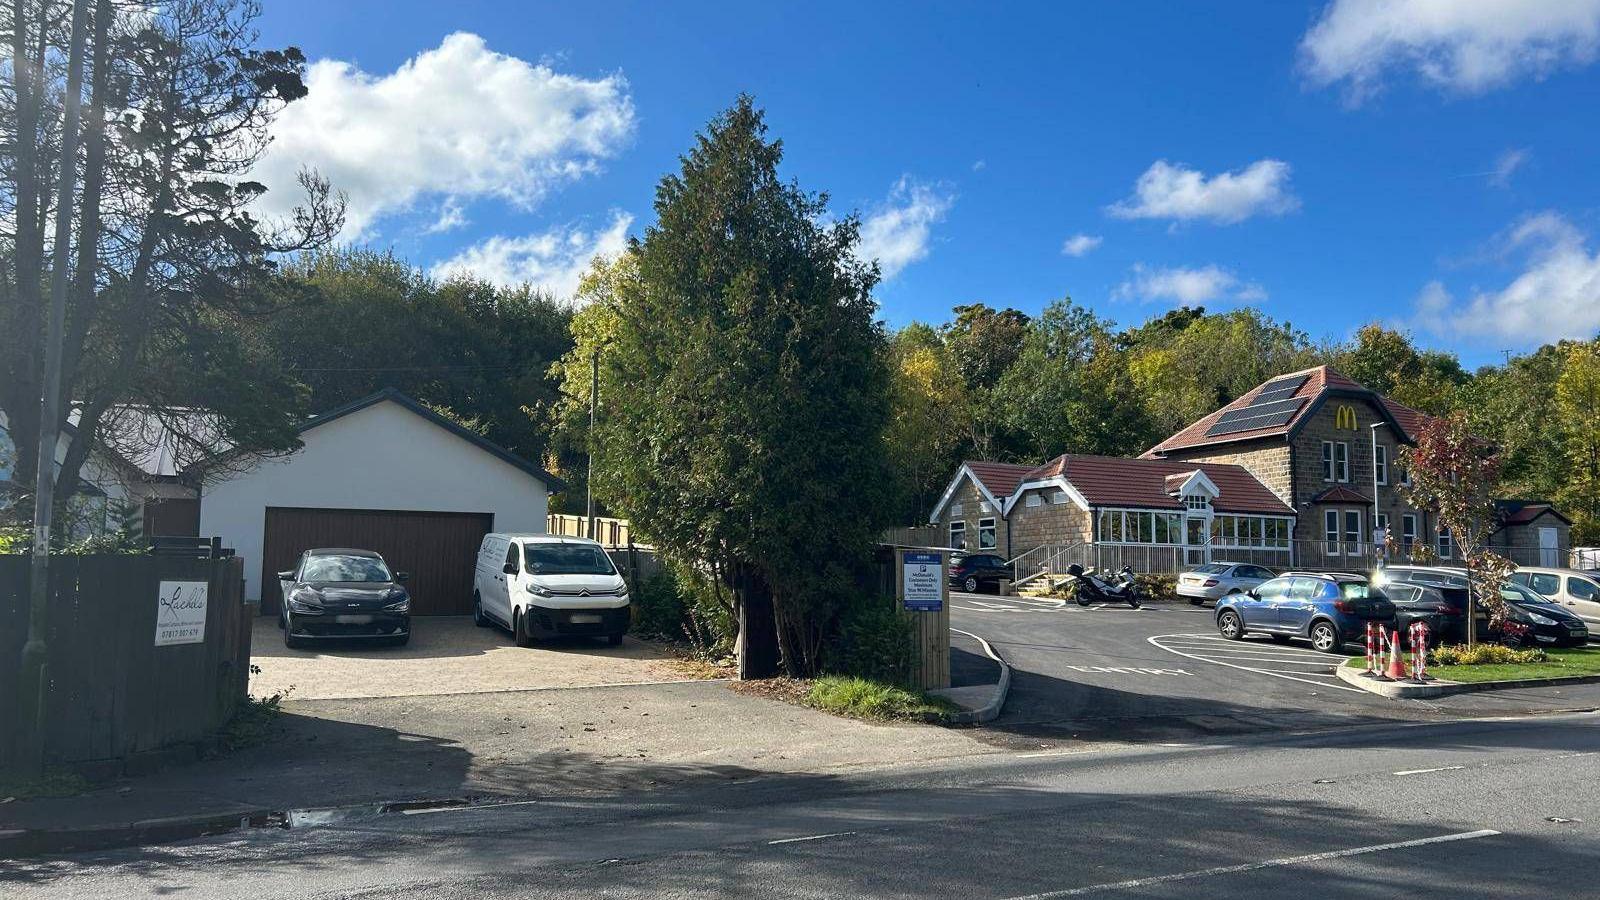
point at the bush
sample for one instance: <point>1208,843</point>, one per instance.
<point>867,699</point>
<point>1485,655</point>
<point>681,605</point>
<point>874,642</point>
<point>1157,587</point>
<point>658,609</point>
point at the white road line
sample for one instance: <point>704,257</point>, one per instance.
<point>1254,867</point>
<point>1264,650</point>
<point>1154,641</point>
<point>810,837</point>
<point>1427,771</point>
<point>1281,661</point>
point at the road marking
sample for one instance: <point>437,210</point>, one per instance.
<point>1130,670</point>
<point>1155,641</point>
<point>1255,867</point>
<point>810,837</point>
<point>1427,771</point>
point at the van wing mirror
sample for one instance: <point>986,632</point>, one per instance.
<point>402,576</point>
<point>286,576</point>
<point>509,568</point>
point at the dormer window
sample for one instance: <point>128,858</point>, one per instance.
<point>1197,502</point>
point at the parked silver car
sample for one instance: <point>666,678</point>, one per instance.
<point>1216,580</point>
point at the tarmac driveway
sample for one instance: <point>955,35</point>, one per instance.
<point>447,655</point>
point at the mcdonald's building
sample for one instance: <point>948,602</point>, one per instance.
<point>1301,471</point>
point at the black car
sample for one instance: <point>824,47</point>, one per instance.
<point>1442,608</point>
<point>1533,621</point>
<point>340,593</point>
<point>974,571</point>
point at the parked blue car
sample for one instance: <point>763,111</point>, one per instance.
<point>1328,609</point>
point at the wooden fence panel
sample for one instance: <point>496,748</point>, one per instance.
<point>110,692</point>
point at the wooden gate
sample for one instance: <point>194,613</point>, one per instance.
<point>438,549</point>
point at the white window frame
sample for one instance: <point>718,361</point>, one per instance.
<point>1330,532</point>
<point>1381,523</point>
<point>955,510</point>
<point>1354,539</point>
<point>1327,461</point>
<point>1408,531</point>
<point>1445,544</point>
<point>1033,500</point>
<point>1380,464</point>
<point>1058,497</point>
<point>958,530</point>
<point>1341,460</point>
<point>994,534</point>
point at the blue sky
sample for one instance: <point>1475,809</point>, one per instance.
<point>1430,165</point>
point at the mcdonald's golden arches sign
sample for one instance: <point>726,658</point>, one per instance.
<point>1345,417</point>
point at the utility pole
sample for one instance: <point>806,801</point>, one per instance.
<point>34,655</point>
<point>594,402</point>
<point>1376,550</point>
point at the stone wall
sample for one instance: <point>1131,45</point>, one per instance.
<point>1267,459</point>
<point>973,508</point>
<point>1050,522</point>
<point>1306,452</point>
<point>1520,543</point>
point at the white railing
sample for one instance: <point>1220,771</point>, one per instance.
<point>1048,561</point>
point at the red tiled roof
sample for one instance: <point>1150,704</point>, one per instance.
<point>1321,378</point>
<point>1521,512</point>
<point>1114,481</point>
<point>1340,494</point>
<point>1000,479</point>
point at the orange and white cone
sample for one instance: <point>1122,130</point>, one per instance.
<point>1397,668</point>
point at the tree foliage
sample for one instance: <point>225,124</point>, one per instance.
<point>745,389</point>
<point>1578,406</point>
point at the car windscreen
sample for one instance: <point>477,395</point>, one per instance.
<point>1516,593</point>
<point>345,568</point>
<point>1209,569</point>
<point>566,559</point>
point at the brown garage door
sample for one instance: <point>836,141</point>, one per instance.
<point>439,550</point>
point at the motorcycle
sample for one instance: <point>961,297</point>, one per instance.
<point>1093,590</point>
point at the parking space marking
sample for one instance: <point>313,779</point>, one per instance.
<point>1207,653</point>
<point>1130,670</point>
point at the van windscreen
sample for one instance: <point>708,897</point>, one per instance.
<point>567,559</point>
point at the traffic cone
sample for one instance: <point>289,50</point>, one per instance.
<point>1397,668</point>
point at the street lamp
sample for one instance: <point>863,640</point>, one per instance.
<point>1377,552</point>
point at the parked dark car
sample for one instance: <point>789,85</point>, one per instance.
<point>1531,618</point>
<point>975,571</point>
<point>1326,608</point>
<point>343,594</point>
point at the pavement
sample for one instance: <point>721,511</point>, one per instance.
<point>1480,808</point>
<point>446,655</point>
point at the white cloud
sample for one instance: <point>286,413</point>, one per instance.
<point>1507,165</point>
<point>1466,46</point>
<point>980,165</point>
<point>458,121</point>
<point>896,234</point>
<point>1168,191</point>
<point>1081,244</point>
<point>451,217</point>
<point>1187,286</point>
<point>553,260</point>
<point>1556,296</point>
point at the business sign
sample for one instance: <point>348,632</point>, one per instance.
<point>923,582</point>
<point>1345,417</point>
<point>181,613</point>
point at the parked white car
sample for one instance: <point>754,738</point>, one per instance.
<point>537,586</point>
<point>1577,590</point>
<point>1213,581</point>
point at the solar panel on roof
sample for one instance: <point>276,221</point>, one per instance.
<point>1279,389</point>
<point>1267,415</point>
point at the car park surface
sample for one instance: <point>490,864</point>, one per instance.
<point>1162,673</point>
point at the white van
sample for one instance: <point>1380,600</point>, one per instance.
<point>536,585</point>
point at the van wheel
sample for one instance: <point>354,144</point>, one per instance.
<point>520,632</point>
<point>478,618</point>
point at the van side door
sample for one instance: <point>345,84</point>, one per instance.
<point>1583,596</point>
<point>507,583</point>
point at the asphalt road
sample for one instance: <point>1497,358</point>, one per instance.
<point>1162,673</point>
<point>1483,808</point>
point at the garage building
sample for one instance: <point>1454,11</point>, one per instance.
<point>383,473</point>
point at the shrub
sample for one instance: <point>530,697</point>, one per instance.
<point>1485,655</point>
<point>681,605</point>
<point>658,609</point>
<point>1157,587</point>
<point>874,641</point>
<point>868,699</point>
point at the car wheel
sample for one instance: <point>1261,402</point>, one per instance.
<point>478,618</point>
<point>970,585</point>
<point>1325,637</point>
<point>400,641</point>
<point>1196,601</point>
<point>289,640</point>
<point>520,632</point>
<point>1230,626</point>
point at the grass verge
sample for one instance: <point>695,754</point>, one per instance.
<point>1557,664</point>
<point>862,698</point>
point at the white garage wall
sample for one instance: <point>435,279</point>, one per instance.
<point>380,457</point>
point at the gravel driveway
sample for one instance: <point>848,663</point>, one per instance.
<point>447,655</point>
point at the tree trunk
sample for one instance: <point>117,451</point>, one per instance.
<point>757,644</point>
<point>23,389</point>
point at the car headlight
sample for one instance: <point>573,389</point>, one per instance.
<point>537,590</point>
<point>306,602</point>
<point>1541,620</point>
<point>403,605</point>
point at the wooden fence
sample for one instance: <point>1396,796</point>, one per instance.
<point>111,693</point>
<point>609,532</point>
